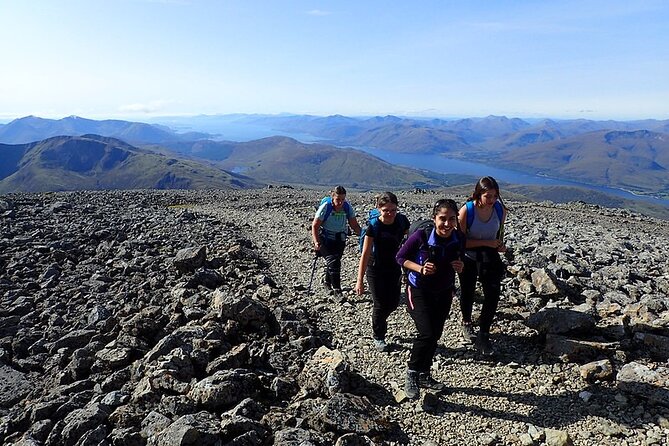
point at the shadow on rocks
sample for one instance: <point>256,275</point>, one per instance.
<point>551,411</point>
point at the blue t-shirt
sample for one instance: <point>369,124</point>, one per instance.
<point>337,222</point>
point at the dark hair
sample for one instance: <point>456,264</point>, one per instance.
<point>385,198</point>
<point>484,185</point>
<point>338,190</point>
<point>444,203</point>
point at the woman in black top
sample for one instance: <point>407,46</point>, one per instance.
<point>382,240</point>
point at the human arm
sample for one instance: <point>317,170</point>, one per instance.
<point>409,251</point>
<point>315,228</point>
<point>355,226</point>
<point>362,265</point>
<point>426,269</point>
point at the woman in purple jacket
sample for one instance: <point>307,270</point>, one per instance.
<point>432,257</point>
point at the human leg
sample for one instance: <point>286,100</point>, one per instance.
<point>425,342</point>
<point>332,251</point>
<point>440,305</point>
<point>468,279</point>
<point>491,277</point>
<point>385,289</point>
<point>437,309</point>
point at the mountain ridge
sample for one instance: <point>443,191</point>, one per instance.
<point>93,162</point>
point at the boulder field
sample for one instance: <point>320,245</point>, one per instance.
<point>186,318</point>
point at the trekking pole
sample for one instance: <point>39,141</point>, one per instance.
<point>313,270</point>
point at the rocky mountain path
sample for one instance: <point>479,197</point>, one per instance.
<point>520,396</point>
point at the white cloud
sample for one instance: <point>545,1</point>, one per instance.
<point>318,12</point>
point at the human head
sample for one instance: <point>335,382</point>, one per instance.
<point>445,216</point>
<point>444,203</point>
<point>387,203</point>
<point>484,185</point>
<point>338,195</point>
<point>385,198</point>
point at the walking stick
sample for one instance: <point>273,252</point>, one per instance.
<point>313,269</point>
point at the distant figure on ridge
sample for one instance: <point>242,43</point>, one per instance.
<point>482,218</point>
<point>329,230</point>
<point>382,238</point>
<point>432,256</point>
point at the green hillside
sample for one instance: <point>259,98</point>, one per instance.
<point>92,162</point>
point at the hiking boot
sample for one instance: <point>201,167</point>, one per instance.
<point>411,385</point>
<point>468,332</point>
<point>426,381</point>
<point>326,282</point>
<point>380,345</point>
<point>483,344</point>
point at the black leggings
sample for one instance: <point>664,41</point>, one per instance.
<point>429,310</point>
<point>490,276</point>
<point>385,288</point>
<point>332,251</point>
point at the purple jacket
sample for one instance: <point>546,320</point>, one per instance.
<point>441,251</point>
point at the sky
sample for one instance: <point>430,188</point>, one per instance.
<point>134,59</point>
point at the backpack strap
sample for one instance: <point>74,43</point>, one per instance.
<point>348,209</point>
<point>500,215</point>
<point>329,207</point>
<point>499,209</point>
<point>470,213</point>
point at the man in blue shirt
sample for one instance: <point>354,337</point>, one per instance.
<point>329,230</point>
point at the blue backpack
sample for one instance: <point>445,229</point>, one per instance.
<point>328,209</point>
<point>498,209</point>
<point>373,219</point>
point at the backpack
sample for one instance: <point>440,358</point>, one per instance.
<point>373,219</point>
<point>498,209</point>
<point>426,225</point>
<point>328,210</point>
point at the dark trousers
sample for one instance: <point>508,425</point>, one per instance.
<point>429,311</point>
<point>385,288</point>
<point>490,275</point>
<point>332,251</point>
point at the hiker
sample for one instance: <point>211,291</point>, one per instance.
<point>432,256</point>
<point>329,230</point>
<point>482,218</point>
<point>382,238</point>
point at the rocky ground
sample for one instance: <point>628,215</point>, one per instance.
<point>174,318</point>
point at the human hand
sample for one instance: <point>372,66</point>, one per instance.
<point>359,288</point>
<point>458,265</point>
<point>428,268</point>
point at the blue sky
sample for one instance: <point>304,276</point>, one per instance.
<point>142,58</point>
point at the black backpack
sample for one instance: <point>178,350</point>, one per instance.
<point>426,225</point>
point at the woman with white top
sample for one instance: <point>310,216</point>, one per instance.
<point>482,218</point>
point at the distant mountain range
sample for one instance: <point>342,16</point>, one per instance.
<point>630,155</point>
<point>32,128</point>
<point>284,160</point>
<point>91,162</point>
<point>636,160</point>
